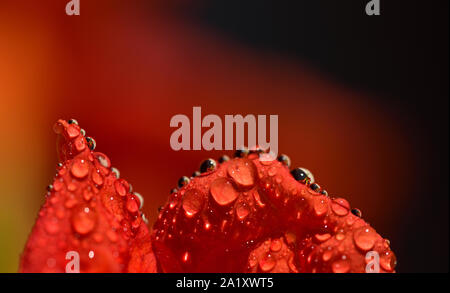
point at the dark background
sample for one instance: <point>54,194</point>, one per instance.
<point>400,56</point>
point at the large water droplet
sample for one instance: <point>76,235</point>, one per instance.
<point>223,191</point>
<point>365,238</point>
<point>267,263</point>
<point>275,245</point>
<point>83,220</point>
<point>192,202</point>
<point>120,188</point>
<point>340,266</point>
<point>388,261</point>
<point>340,206</point>
<point>243,172</point>
<point>79,168</point>
<point>132,205</point>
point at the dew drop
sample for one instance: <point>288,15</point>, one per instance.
<point>79,144</point>
<point>192,202</point>
<point>243,172</point>
<point>91,254</point>
<point>267,263</point>
<point>388,261</point>
<point>116,172</point>
<point>340,266</point>
<point>132,205</point>
<point>120,188</point>
<point>242,210</point>
<point>322,237</point>
<point>340,206</point>
<point>91,143</point>
<point>97,178</point>
<point>79,168</point>
<point>275,245</point>
<point>364,238</point>
<point>223,191</point>
<point>83,221</point>
<point>320,207</point>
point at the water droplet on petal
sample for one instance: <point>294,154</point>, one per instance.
<point>322,237</point>
<point>243,172</point>
<point>267,263</point>
<point>223,191</point>
<point>91,254</point>
<point>320,207</point>
<point>79,143</point>
<point>340,206</point>
<point>364,238</point>
<point>340,266</point>
<point>242,210</point>
<point>192,202</point>
<point>120,188</point>
<point>79,168</point>
<point>132,205</point>
<point>275,245</point>
<point>83,222</point>
<point>388,261</point>
<point>97,178</point>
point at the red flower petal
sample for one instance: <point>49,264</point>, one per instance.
<point>89,213</point>
<point>253,216</point>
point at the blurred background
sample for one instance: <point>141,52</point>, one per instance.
<point>362,101</point>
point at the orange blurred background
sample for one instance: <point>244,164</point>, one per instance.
<point>124,68</point>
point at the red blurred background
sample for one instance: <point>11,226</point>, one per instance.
<point>124,68</point>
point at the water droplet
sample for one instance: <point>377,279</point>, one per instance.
<point>183,181</point>
<point>120,187</point>
<point>320,207</point>
<point>140,198</point>
<point>242,210</point>
<point>91,254</point>
<point>243,172</point>
<point>79,168</point>
<point>116,172</point>
<point>300,175</point>
<point>223,191</point>
<point>91,143</point>
<point>192,202</point>
<point>132,205</point>
<point>267,263</point>
<point>340,236</point>
<point>97,178</point>
<point>257,198</point>
<point>388,261</point>
<point>72,121</point>
<point>241,153</point>
<point>340,266</point>
<point>340,206</point>
<point>326,256</point>
<point>357,212</point>
<point>57,185</point>
<point>365,238</point>
<point>79,144</point>
<point>275,245</point>
<point>73,131</point>
<point>83,220</point>
<point>322,237</point>
<point>208,166</point>
<point>224,158</point>
<point>285,160</point>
